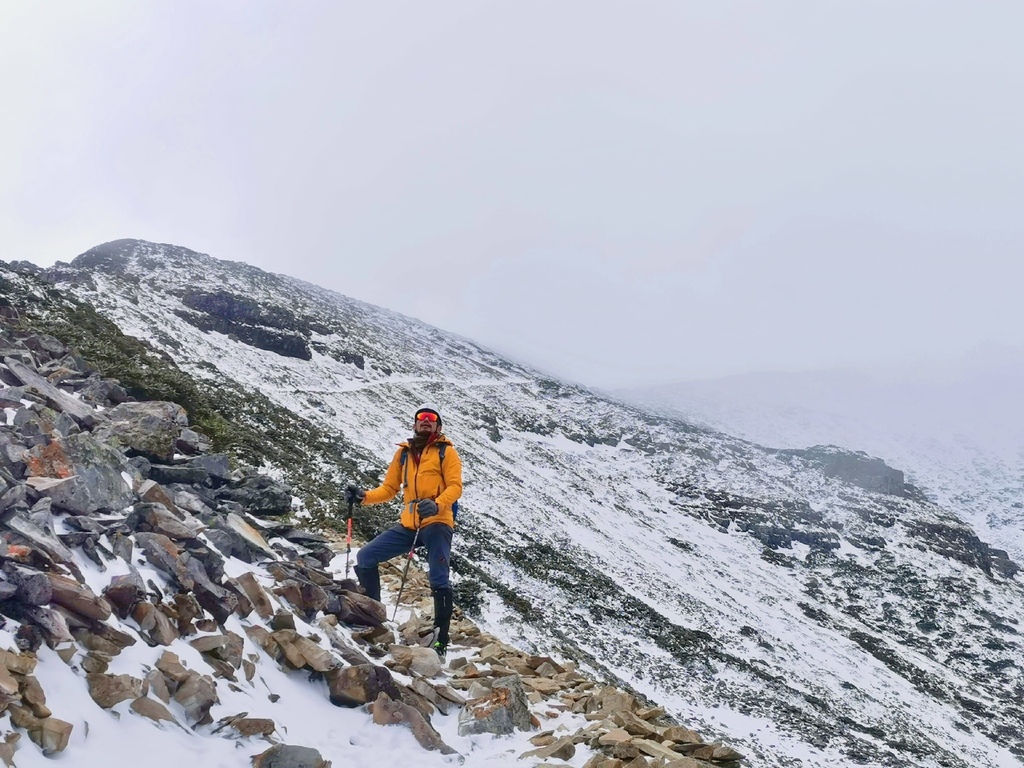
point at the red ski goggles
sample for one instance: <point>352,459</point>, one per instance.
<point>426,416</point>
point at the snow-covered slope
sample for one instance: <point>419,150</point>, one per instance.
<point>753,592</point>
<point>957,430</point>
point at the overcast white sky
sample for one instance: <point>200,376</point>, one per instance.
<point>619,192</point>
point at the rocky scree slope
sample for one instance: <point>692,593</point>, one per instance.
<point>815,616</point>
<point>117,529</point>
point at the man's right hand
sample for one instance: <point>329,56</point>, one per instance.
<point>354,495</point>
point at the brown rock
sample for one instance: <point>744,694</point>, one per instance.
<point>125,591</point>
<point>174,673</point>
<point>542,685</point>
<point>7,748</point>
<point>33,695</point>
<point>108,690</point>
<point>158,685</point>
<point>681,735</point>
<point>360,684</point>
<point>19,664</point>
<point>197,694</point>
<point>360,610</point>
<point>208,643</point>
<point>283,620</point>
<point>635,725</point>
<point>422,661</point>
<point>188,610</point>
<point>154,623</point>
<point>288,756</point>
<point>50,734</point>
<point>686,762</point>
<point>389,712</point>
<point>563,749</point>
<point>625,751</point>
<point>614,736</point>
<point>723,753</point>
<point>8,685</point>
<point>655,749</point>
<point>543,739</point>
<point>152,709</point>
<point>650,713</point>
<point>254,726</point>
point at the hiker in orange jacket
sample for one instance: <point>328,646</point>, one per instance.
<point>428,471</point>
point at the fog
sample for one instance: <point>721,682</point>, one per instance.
<point>619,193</point>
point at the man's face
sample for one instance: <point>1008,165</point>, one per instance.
<point>424,427</point>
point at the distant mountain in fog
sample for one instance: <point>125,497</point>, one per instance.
<point>956,429</point>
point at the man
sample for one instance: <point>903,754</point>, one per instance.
<point>428,471</point>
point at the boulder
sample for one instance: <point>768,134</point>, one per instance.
<point>150,428</point>
<point>503,710</point>
<point>563,749</point>
<point>288,756</point>
<point>125,591</point>
<point>387,711</point>
<point>49,733</point>
<point>260,495</point>
<point>152,709</point>
<point>360,684</point>
<point>78,598</point>
<point>196,695</point>
<point>157,518</point>
<point>108,690</point>
<point>358,610</point>
<point>93,473</point>
<point>422,661</point>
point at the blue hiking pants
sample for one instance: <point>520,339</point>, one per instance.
<point>437,538</point>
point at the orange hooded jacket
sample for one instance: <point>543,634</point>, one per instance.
<point>425,479</point>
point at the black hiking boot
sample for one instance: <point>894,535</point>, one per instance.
<point>441,649</point>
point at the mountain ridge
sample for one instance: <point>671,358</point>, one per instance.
<point>613,534</point>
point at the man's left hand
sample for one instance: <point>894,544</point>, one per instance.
<point>427,508</point>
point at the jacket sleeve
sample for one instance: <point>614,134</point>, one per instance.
<point>392,484</point>
<point>451,471</point>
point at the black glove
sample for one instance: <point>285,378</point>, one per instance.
<point>426,508</point>
<point>354,495</point>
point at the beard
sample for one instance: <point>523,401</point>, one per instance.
<point>419,441</point>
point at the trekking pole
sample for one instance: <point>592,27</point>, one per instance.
<point>405,571</point>
<point>348,539</point>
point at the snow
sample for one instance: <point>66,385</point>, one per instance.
<point>119,738</point>
<point>614,510</point>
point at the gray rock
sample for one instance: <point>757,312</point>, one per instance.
<point>93,471</point>
<point>151,428</point>
<point>57,398</point>
<point>156,518</point>
<point>501,712</point>
<point>260,496</point>
<point>216,465</point>
<point>185,475</point>
<point>288,756</point>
